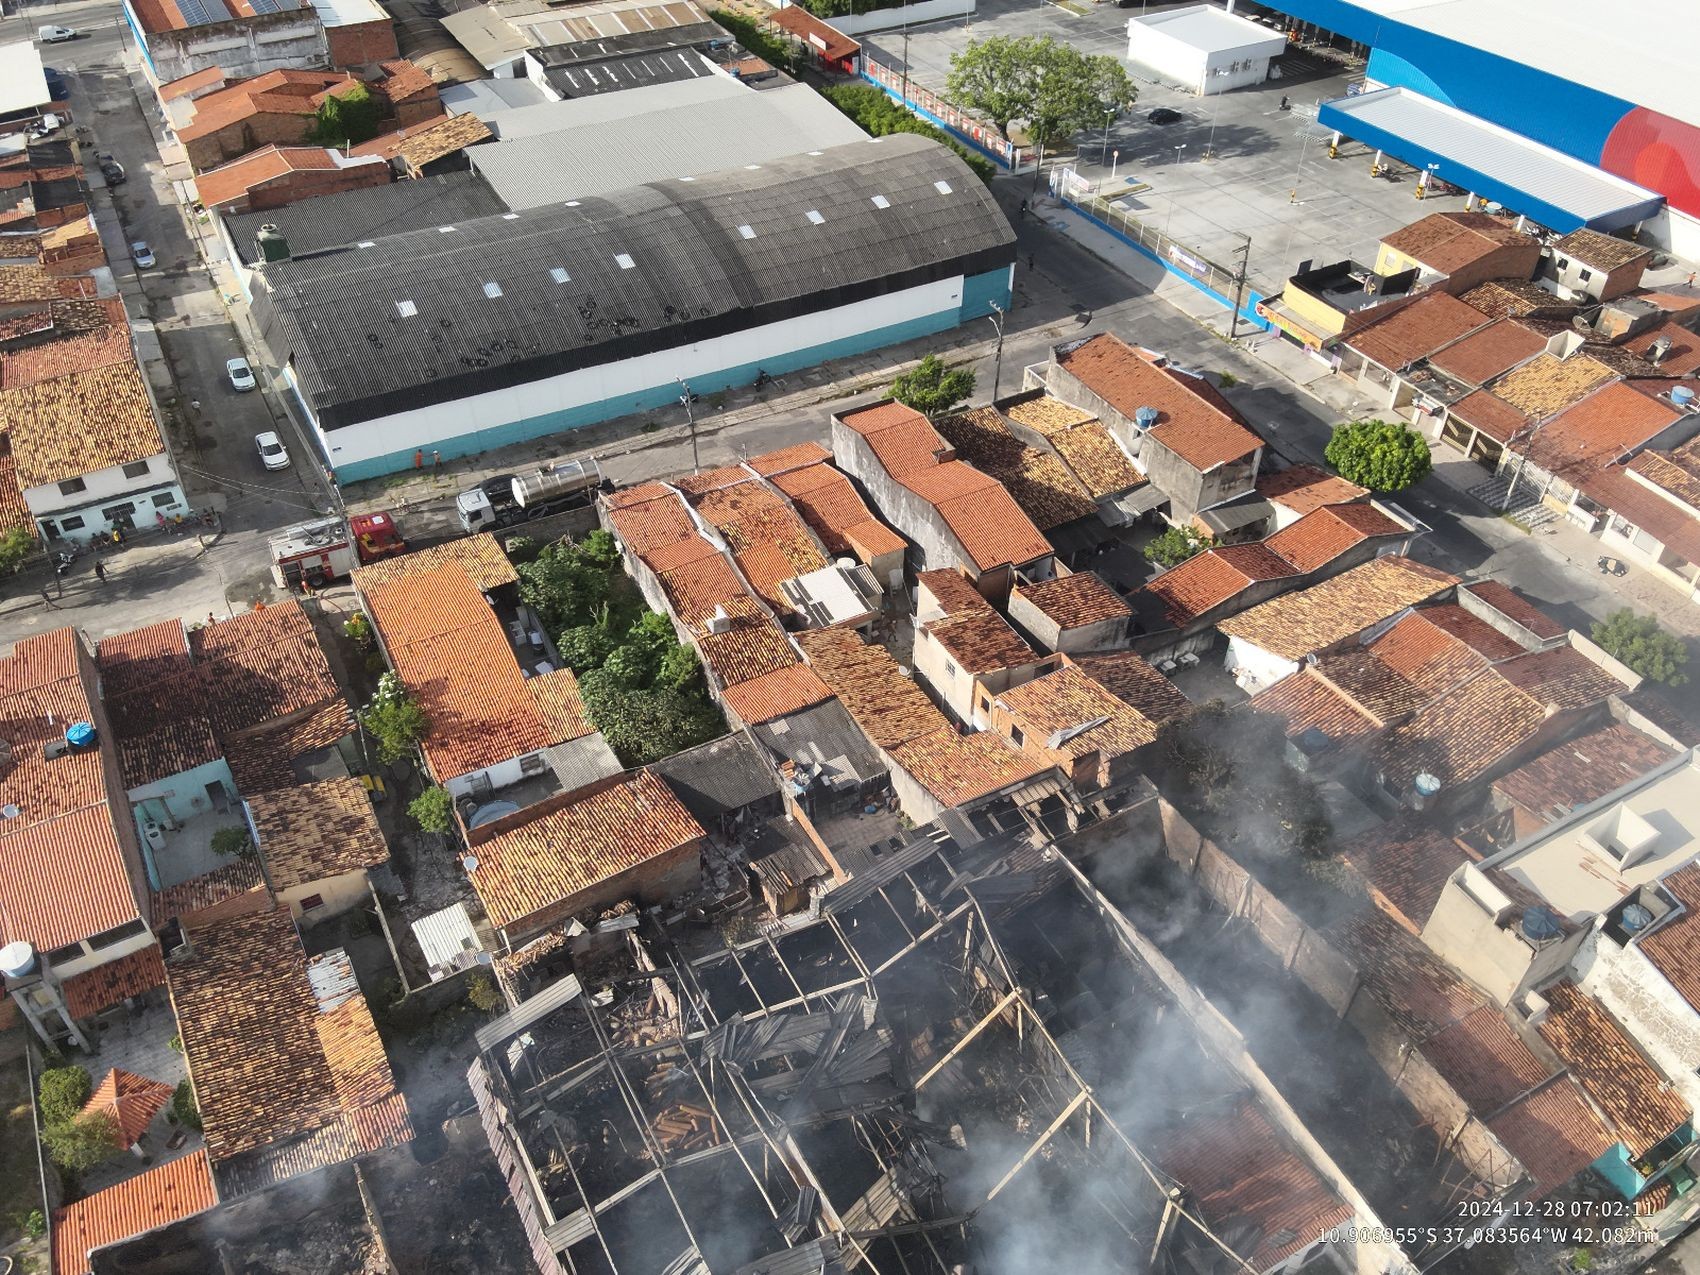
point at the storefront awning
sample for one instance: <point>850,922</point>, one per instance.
<point>1560,192</point>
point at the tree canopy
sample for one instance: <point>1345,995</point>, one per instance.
<point>1053,88</point>
<point>394,719</point>
<point>1643,645</point>
<point>1175,546</point>
<point>433,810</point>
<point>931,387</point>
<point>1380,455</point>
<point>346,118</point>
<point>15,546</point>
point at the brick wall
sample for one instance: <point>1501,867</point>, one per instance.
<point>235,140</point>
<point>312,182</point>
<point>362,44</point>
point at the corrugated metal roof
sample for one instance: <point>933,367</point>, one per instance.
<point>1561,191</point>
<point>445,935</point>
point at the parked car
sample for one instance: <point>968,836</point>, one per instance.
<point>53,35</point>
<point>273,454</point>
<point>112,170</point>
<point>1164,115</point>
<point>141,254</point>
<point>241,375</point>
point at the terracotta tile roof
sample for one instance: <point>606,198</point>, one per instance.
<point>478,555</point>
<point>1406,863</point>
<point>1490,414</point>
<point>1193,421</point>
<point>1676,472</point>
<point>1074,601</point>
<point>768,540</point>
<point>1681,358</point>
<point>106,985</point>
<point>13,512</point>
<point>1127,676</point>
<point>1447,242</point>
<point>1037,481</point>
<point>777,694</point>
<point>786,459</point>
<point>832,43</point>
<point>207,890</point>
<point>1597,431</point>
<point>1068,698</point>
<point>403,80</point>
<point>230,182</point>
<point>888,706</point>
<point>696,590</point>
<point>162,1195</point>
<point>899,436</point>
<point>282,92</point>
<point>450,650</point>
<point>1302,488</point>
<point>753,647</point>
<point>1462,735</point>
<point>319,830</point>
<point>1244,1179</point>
<point>1674,947</point>
<point>1581,770</point>
<point>79,424</point>
<point>1547,384</point>
<point>1382,692</point>
<point>1673,527</point>
<point>1637,1103</point>
<point>832,508</point>
<point>155,704</point>
<point>1412,985</point>
<point>1601,251</point>
<point>956,768</point>
<point>981,642</point>
<point>1304,701</point>
<point>174,89</point>
<point>1212,579</point>
<point>264,761</point>
<point>422,144</point>
<point>131,1101</point>
<point>1416,331</point>
<point>1437,647</point>
<point>1298,624</point>
<point>580,843</point>
<point>64,829</point>
<point>560,704</point>
<point>1097,460</point>
<point>1502,298</point>
<point>30,364</point>
<point>27,282</point>
<point>1562,676</point>
<point>1324,534</point>
<point>1513,606</point>
<point>680,553</point>
<point>260,666</point>
<point>266,1066</point>
<point>1554,1133</point>
<point>1045,415</point>
<point>1485,1060</point>
<point>991,527</point>
<point>1497,348</point>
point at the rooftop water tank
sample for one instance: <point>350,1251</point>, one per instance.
<point>1540,924</point>
<point>1426,784</point>
<point>80,735</point>
<point>1636,917</point>
<point>1145,417</point>
<point>1682,395</point>
<point>17,959</point>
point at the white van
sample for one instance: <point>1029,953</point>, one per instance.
<point>53,35</point>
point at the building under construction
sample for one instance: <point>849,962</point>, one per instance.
<point>952,1066</point>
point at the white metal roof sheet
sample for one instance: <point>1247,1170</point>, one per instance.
<point>22,83</point>
<point>1211,30</point>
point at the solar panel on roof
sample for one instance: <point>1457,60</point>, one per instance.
<point>196,13</point>
<point>266,6</point>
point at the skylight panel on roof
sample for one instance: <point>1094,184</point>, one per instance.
<point>943,188</point>
<point>747,232</point>
<point>625,260</point>
<point>445,230</point>
<point>559,275</point>
<point>492,289</point>
<point>814,216</point>
<point>407,309</point>
<point>366,243</point>
<point>515,216</point>
<point>880,201</point>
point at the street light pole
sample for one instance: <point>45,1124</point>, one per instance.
<point>1239,285</point>
<point>685,397</point>
<point>906,63</point>
<point>1109,118</point>
<point>996,319</point>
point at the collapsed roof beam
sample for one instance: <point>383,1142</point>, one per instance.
<point>991,1016</point>
<point>1038,1144</point>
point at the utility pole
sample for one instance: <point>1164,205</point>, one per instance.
<point>1239,285</point>
<point>685,397</point>
<point>906,63</point>
<point>996,319</point>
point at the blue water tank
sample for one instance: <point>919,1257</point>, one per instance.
<point>1681,395</point>
<point>80,735</point>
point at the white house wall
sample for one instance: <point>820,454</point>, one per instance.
<point>104,488</point>
<point>630,379</point>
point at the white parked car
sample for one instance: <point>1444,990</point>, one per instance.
<point>141,254</point>
<point>53,35</point>
<point>273,454</point>
<point>241,375</point>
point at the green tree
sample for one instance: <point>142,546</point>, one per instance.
<point>568,584</point>
<point>184,1108</point>
<point>346,118</point>
<point>394,719</point>
<point>642,726</point>
<point>1639,641</point>
<point>1055,90</point>
<point>877,114</point>
<point>16,545</point>
<point>585,647</point>
<point>653,633</point>
<point>63,1091</point>
<point>1380,455</point>
<point>931,387</point>
<point>79,1145</point>
<point>232,842</point>
<point>680,670</point>
<point>433,810</point>
<point>1175,546</point>
<point>358,630</point>
<point>630,667</point>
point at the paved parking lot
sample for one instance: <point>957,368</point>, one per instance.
<point>1235,162</point>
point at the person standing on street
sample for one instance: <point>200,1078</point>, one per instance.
<point>99,569</point>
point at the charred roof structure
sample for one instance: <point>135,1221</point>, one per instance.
<point>950,1065</point>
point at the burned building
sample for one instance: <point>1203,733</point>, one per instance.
<point>961,1062</point>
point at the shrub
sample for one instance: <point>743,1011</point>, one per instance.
<point>768,45</point>
<point>34,1224</point>
<point>16,545</point>
<point>1643,645</point>
<point>231,842</point>
<point>394,719</point>
<point>878,114</point>
<point>1175,546</point>
<point>184,1109</point>
<point>63,1091</point>
<point>433,810</point>
<point>482,993</point>
<point>358,630</point>
<point>79,1145</point>
<point>1380,455</point>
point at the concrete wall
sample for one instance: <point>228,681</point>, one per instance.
<point>241,136</point>
<point>1102,635</point>
<point>951,684</point>
<point>1601,285</point>
<point>1464,932</point>
<point>1190,490</point>
<point>1503,624</point>
<point>182,796</point>
<point>465,426</point>
<point>309,184</point>
<point>157,489</point>
<point>1509,261</point>
<point>289,40</point>
<point>338,894</point>
<point>1656,1015</point>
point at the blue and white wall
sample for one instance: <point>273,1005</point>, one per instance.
<point>649,382</point>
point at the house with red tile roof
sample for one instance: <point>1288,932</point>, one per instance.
<point>276,176</point>
<point>1378,352</point>
<point>278,107</point>
<point>1183,435</point>
<point>1649,511</point>
<point>1067,719</point>
<point>180,41</point>
<point>833,508</point>
<point>1077,613</point>
<point>1298,489</point>
<point>1459,250</point>
<point>1557,458</point>
<point>1188,599</point>
<point>952,514</point>
<point>964,651</point>
<point>166,1193</point>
